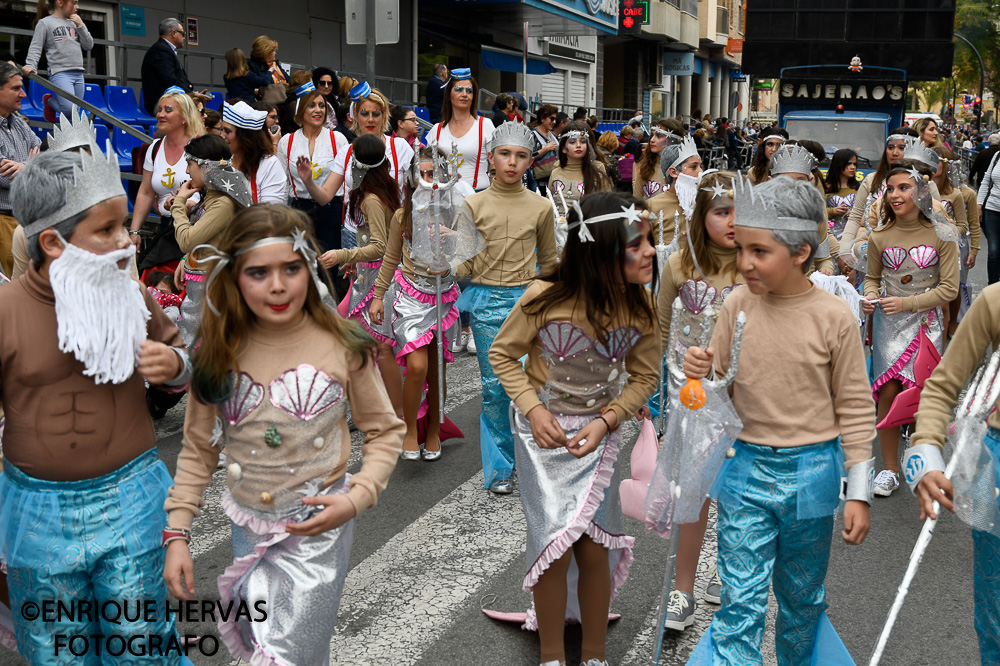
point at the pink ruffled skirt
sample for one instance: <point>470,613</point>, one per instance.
<point>413,314</point>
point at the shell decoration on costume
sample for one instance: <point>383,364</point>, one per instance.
<point>247,396</point>
<point>924,256</point>
<point>893,257</point>
<point>564,340</point>
<point>620,343</point>
<point>696,295</point>
<point>305,392</point>
<point>651,189</point>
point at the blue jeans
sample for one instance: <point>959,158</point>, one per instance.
<point>71,82</point>
<point>991,229</point>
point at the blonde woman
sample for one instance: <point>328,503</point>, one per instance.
<point>927,129</point>
<point>164,169</point>
<point>264,60</point>
<point>369,115</point>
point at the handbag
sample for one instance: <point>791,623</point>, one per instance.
<point>162,248</point>
<point>274,93</point>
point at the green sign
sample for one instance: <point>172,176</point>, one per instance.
<point>763,84</point>
<point>133,20</point>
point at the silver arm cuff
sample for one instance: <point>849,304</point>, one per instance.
<point>183,378</point>
<point>823,250</point>
<point>918,461</point>
<point>861,482</point>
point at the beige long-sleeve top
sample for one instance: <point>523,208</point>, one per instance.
<point>397,255</point>
<point>639,183</point>
<point>519,337</point>
<point>908,234</point>
<point>219,211</point>
<point>855,219</point>
<point>569,181</point>
<point>980,329</point>
<point>515,223</point>
<point>371,235</point>
<point>273,360</point>
<point>972,215</point>
<point>802,377</point>
<point>954,209</point>
<point>673,278</point>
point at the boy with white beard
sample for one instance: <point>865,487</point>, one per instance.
<point>82,487</point>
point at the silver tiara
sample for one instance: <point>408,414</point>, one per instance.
<point>792,159</point>
<point>97,179</point>
<point>73,131</point>
<point>687,150</point>
<point>753,211</point>
<point>573,134</point>
<point>512,134</point>
<point>917,151</point>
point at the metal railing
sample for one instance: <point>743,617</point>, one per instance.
<point>90,108</point>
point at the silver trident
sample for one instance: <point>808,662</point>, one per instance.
<point>440,262</point>
<point>675,448</point>
<point>979,399</point>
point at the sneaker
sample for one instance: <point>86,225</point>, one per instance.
<point>222,461</point>
<point>471,347</point>
<point>48,111</point>
<point>713,591</point>
<point>594,662</point>
<point>886,482</point>
<point>680,611</point>
<point>460,342</point>
<point>554,662</point>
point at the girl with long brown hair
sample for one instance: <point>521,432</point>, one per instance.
<point>372,203</point>
<point>647,178</point>
<point>577,174</point>
<point>411,317</point>
<point>579,325</point>
<point>274,374</point>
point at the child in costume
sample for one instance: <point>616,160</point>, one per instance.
<point>795,162</point>
<point>681,167</point>
<point>519,229</point>
<point>803,420</point>
<point>577,173</point>
<point>82,485</point>
<point>224,191</point>
<point>703,274</point>
<point>924,465</point>
<point>647,177</point>
<point>372,202</point>
<point>912,273</point>
<point>274,373</point>
<point>975,234</point>
<point>582,326</point>
<point>411,316</point>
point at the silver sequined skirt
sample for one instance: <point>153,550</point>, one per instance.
<point>362,290</point>
<point>895,341</point>
<point>413,314</point>
<point>564,498</point>
<point>299,579</point>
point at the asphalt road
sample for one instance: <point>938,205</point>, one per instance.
<point>438,548</point>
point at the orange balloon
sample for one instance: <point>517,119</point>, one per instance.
<point>692,395</point>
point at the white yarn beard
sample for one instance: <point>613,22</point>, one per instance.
<point>100,311</point>
<point>686,188</point>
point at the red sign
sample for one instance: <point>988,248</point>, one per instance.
<point>632,15</point>
<point>734,45</point>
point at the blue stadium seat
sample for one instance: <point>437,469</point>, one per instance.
<point>124,143</point>
<point>216,102</point>
<point>103,136</point>
<point>30,107</point>
<point>422,112</point>
<point>40,132</point>
<point>93,94</point>
<point>122,103</point>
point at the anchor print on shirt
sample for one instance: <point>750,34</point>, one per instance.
<point>168,179</point>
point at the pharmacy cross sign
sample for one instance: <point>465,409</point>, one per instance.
<point>633,14</point>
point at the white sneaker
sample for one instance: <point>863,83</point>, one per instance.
<point>471,347</point>
<point>886,482</point>
<point>459,343</point>
<point>713,591</point>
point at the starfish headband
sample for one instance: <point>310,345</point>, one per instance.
<point>222,176</point>
<point>673,138</point>
<point>300,243</point>
<point>897,137</point>
<point>632,219</point>
<point>773,137</point>
<point>359,169</point>
<point>573,135</point>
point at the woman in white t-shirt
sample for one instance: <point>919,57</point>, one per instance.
<point>461,125</point>
<point>164,170</point>
<point>369,115</point>
<point>254,152</point>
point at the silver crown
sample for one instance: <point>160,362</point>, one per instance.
<point>915,150</point>
<point>792,159</point>
<point>753,211</point>
<point>73,131</point>
<point>97,179</point>
<point>686,149</point>
<point>512,134</point>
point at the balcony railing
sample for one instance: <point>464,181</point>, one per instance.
<point>690,7</point>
